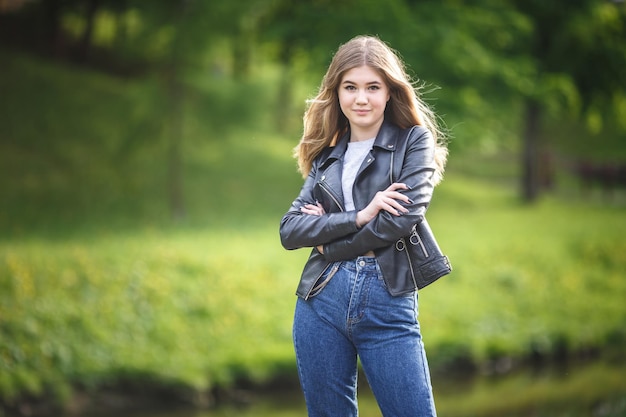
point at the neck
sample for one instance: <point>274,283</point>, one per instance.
<point>358,134</point>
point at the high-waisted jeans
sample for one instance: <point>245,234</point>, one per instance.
<point>352,316</point>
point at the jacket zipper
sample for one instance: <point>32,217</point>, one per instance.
<point>419,242</point>
<point>406,251</point>
<point>414,239</point>
<point>317,288</point>
<point>336,201</point>
<point>310,290</point>
<point>391,171</point>
<point>414,230</point>
<point>332,196</point>
<point>408,258</point>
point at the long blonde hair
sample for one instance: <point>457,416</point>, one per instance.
<point>324,122</point>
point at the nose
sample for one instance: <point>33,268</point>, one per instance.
<point>361,97</point>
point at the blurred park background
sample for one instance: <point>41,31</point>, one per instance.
<point>145,157</point>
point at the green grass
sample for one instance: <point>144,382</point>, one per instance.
<point>538,278</point>
<point>177,308</point>
<point>98,285</point>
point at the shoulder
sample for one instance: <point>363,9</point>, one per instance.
<point>416,135</point>
<point>331,153</point>
<point>418,132</point>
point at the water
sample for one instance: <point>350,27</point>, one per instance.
<point>596,389</point>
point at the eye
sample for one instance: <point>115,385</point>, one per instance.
<point>350,87</point>
<point>374,87</point>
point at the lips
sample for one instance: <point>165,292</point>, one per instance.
<point>361,112</point>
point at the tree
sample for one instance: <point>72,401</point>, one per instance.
<point>579,56</point>
<point>192,25</point>
<point>559,60</point>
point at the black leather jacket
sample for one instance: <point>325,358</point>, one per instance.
<point>407,152</point>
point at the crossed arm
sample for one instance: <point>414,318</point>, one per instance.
<point>387,200</point>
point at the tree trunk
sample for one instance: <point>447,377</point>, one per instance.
<point>121,27</point>
<point>175,94</point>
<point>84,46</point>
<point>530,154</point>
<point>241,55</point>
<point>285,86</point>
<point>52,26</point>
<point>176,97</point>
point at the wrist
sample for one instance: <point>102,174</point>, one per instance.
<point>359,219</point>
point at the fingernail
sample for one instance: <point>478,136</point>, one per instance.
<point>408,186</point>
<point>410,201</point>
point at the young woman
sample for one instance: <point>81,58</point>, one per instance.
<point>357,295</point>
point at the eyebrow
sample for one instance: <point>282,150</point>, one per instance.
<point>368,83</point>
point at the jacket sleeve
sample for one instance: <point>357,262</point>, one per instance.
<point>298,230</point>
<point>417,171</point>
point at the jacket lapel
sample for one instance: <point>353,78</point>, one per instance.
<point>331,169</point>
<point>386,139</point>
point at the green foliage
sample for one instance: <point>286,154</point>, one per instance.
<point>187,308</point>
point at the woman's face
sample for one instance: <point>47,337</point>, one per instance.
<point>363,96</point>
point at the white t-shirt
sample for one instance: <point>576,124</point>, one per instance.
<point>352,160</point>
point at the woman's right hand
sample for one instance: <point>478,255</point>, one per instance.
<point>388,200</point>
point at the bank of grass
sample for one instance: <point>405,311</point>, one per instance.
<point>98,287</point>
<point>194,308</point>
<point>529,280</point>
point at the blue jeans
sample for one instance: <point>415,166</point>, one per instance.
<point>354,316</point>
